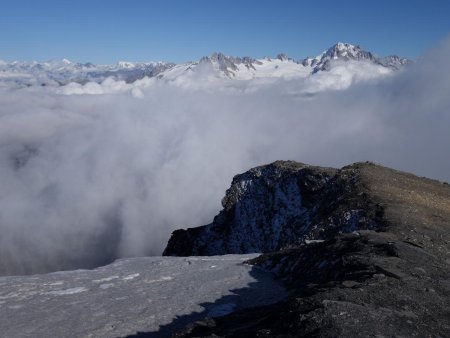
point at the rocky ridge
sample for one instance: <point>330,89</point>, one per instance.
<point>374,261</point>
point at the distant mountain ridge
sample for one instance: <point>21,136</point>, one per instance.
<point>56,73</point>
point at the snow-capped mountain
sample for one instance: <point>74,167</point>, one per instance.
<point>282,66</point>
<point>218,65</point>
<point>346,52</point>
<point>64,71</point>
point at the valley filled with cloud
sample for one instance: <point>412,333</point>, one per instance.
<point>96,171</point>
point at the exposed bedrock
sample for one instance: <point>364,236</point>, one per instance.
<point>279,205</point>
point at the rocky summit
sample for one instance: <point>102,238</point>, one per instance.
<point>364,251</point>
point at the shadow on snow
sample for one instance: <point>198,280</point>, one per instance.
<point>256,293</point>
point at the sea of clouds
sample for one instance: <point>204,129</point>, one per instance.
<point>93,172</point>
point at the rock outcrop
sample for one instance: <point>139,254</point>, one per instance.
<point>381,268</point>
<point>277,206</point>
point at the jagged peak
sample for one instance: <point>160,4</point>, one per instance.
<point>282,57</point>
<point>215,57</point>
<point>344,45</point>
<point>347,51</point>
<point>218,56</point>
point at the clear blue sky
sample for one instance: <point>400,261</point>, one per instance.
<point>180,30</point>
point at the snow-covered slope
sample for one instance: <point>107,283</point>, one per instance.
<point>217,65</point>
<point>132,295</point>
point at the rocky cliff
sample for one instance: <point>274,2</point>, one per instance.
<point>280,205</point>
<point>368,253</point>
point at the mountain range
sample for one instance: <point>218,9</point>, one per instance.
<point>57,73</point>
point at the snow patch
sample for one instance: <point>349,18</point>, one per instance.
<point>106,279</point>
<point>70,291</point>
<point>130,277</point>
<point>60,282</point>
<point>162,279</point>
<point>106,286</point>
<point>312,241</point>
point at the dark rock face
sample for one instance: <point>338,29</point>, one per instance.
<point>276,206</point>
<point>391,280</point>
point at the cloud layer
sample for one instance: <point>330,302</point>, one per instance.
<point>89,178</point>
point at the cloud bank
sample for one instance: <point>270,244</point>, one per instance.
<point>111,171</point>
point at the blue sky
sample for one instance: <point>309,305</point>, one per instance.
<point>181,30</point>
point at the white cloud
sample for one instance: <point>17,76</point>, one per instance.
<point>87,178</point>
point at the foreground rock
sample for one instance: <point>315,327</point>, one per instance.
<point>154,296</point>
<point>280,205</point>
<point>372,257</point>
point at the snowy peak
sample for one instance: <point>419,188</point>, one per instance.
<point>339,52</point>
<point>347,51</point>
